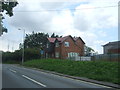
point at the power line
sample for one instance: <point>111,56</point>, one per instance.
<point>71,9</point>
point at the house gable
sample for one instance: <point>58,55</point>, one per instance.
<point>81,45</point>
<point>52,40</point>
<point>67,45</point>
<point>79,38</point>
<point>73,48</point>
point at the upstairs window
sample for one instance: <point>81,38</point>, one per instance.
<point>56,44</point>
<point>66,44</point>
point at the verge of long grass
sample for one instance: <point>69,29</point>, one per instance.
<point>98,70</point>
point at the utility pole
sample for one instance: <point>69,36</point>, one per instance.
<point>8,46</point>
<point>23,45</point>
<point>12,47</point>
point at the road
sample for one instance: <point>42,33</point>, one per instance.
<point>14,76</point>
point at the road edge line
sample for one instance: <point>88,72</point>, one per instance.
<point>34,80</point>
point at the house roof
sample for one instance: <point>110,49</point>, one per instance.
<point>115,44</point>
<point>59,39</point>
<point>63,39</point>
<point>75,38</point>
<point>52,40</point>
<point>112,43</point>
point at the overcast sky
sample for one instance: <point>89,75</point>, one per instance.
<point>92,20</point>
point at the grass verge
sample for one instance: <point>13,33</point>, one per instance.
<point>97,70</point>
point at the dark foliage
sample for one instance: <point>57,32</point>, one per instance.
<point>30,53</point>
<point>36,40</point>
<point>8,7</point>
<point>55,36</point>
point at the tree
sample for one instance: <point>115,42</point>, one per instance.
<point>20,46</point>
<point>55,36</point>
<point>30,53</point>
<point>88,51</point>
<point>35,40</point>
<point>7,6</point>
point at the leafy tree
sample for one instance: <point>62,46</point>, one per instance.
<point>20,46</point>
<point>35,40</point>
<point>88,51</point>
<point>8,7</point>
<point>30,53</point>
<point>55,36</point>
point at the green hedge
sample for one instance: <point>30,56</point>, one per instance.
<point>29,53</point>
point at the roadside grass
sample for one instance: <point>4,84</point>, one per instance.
<point>97,70</point>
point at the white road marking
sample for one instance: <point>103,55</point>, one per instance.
<point>62,77</point>
<point>12,70</point>
<point>34,81</point>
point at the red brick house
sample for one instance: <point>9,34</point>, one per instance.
<point>64,47</point>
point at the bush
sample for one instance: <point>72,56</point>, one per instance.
<point>12,56</point>
<point>29,53</point>
<point>32,53</point>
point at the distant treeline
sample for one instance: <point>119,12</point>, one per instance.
<point>33,43</point>
<point>29,54</point>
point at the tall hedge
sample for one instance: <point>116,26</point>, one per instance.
<point>29,53</point>
<point>32,53</point>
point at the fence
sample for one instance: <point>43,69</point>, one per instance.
<point>80,58</point>
<point>106,57</point>
<point>102,57</point>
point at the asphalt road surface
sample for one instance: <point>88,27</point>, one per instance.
<point>14,76</point>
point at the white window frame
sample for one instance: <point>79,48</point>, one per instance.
<point>66,44</point>
<point>73,54</point>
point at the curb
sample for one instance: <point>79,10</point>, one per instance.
<point>79,78</point>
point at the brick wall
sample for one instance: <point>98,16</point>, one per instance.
<point>72,48</point>
<point>58,49</point>
<point>117,51</point>
<point>81,46</point>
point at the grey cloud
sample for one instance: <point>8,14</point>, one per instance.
<point>33,21</point>
<point>52,5</point>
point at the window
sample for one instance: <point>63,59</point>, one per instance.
<point>56,44</point>
<point>73,54</point>
<point>70,54</point>
<point>66,44</point>
<point>57,54</point>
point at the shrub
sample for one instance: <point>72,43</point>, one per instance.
<point>29,53</point>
